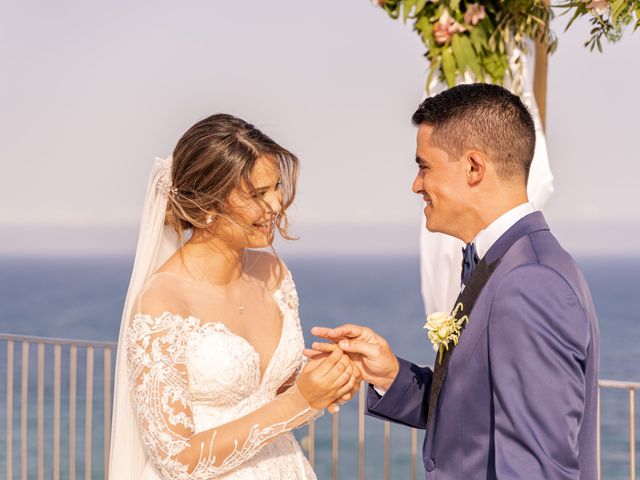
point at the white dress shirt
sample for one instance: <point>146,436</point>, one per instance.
<point>487,237</point>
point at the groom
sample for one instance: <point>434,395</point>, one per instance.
<point>516,397</point>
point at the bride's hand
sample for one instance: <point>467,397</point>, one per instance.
<point>316,356</point>
<point>335,406</point>
<point>324,381</point>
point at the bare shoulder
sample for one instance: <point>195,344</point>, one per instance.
<point>162,292</point>
<point>266,266</point>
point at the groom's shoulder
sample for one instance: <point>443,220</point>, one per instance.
<point>540,252</point>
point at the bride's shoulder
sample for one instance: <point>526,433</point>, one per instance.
<point>267,267</point>
<point>162,294</point>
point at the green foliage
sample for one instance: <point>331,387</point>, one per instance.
<point>608,19</point>
<point>475,39</point>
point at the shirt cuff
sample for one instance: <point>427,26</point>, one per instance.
<point>379,391</point>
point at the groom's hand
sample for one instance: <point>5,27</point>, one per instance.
<point>369,352</point>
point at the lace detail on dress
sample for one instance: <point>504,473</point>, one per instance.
<point>287,296</point>
<point>201,404</point>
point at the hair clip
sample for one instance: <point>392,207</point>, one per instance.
<point>164,184</point>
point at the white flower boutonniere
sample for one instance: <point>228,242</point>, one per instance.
<point>444,328</point>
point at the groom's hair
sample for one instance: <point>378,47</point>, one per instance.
<point>485,117</point>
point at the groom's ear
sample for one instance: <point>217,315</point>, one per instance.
<point>476,167</point>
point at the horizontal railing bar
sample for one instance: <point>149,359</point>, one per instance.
<point>618,384</point>
<point>99,343</point>
<point>57,341</point>
<point>606,383</point>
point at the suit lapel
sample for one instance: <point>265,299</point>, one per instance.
<point>467,299</point>
<point>481,275</point>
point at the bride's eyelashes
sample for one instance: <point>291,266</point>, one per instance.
<point>261,192</point>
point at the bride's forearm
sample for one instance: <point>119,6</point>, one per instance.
<point>215,451</point>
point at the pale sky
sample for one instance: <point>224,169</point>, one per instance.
<point>91,92</point>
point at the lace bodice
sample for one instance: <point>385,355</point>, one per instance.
<point>203,405</point>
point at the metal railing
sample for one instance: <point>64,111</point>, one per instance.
<point>51,353</point>
<point>631,387</point>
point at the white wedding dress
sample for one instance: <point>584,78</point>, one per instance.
<point>190,374</point>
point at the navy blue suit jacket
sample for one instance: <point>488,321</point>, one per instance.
<point>519,399</point>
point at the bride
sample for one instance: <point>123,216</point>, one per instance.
<point>210,377</point>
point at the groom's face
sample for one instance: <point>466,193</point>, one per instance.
<point>441,181</point>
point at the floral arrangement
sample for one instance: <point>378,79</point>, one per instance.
<point>481,38</point>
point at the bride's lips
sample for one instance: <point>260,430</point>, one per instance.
<point>265,226</point>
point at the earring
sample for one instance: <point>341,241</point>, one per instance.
<point>209,219</point>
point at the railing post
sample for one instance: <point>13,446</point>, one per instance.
<point>40,411</point>
<point>387,451</point>
<point>598,445</point>
<point>362,395</point>
<point>107,410</point>
<point>73,359</point>
<point>312,443</point>
<point>632,433</point>
<point>335,443</point>
<point>88,416</point>
<point>57,354</point>
<point>24,400</point>
<point>414,454</point>
<point>9,409</point>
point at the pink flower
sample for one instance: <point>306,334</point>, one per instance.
<point>598,6</point>
<point>475,12</point>
<point>378,3</point>
<point>445,27</point>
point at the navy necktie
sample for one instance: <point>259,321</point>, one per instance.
<point>469,262</point>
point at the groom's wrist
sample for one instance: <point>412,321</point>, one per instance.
<point>393,374</point>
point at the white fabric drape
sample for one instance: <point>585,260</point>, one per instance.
<point>441,255</point>
<point>156,243</point>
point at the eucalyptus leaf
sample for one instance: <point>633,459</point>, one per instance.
<point>495,68</point>
<point>573,19</point>
<point>407,7</point>
<point>420,4</point>
<point>422,24</point>
<point>433,70</point>
<point>427,33</point>
<point>460,57</point>
<point>449,66</point>
<point>479,38</point>
<point>470,56</point>
<point>617,7</point>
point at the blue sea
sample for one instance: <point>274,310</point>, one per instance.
<point>82,298</point>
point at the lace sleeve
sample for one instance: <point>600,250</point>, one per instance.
<point>156,354</point>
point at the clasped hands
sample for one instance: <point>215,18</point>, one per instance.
<point>337,367</point>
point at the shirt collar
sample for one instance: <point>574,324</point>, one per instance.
<point>487,237</point>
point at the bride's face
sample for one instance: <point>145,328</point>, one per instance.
<point>254,206</point>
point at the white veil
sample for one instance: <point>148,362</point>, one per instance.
<point>156,243</point>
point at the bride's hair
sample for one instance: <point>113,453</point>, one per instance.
<point>215,156</point>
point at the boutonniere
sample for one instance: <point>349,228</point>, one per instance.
<point>444,328</point>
